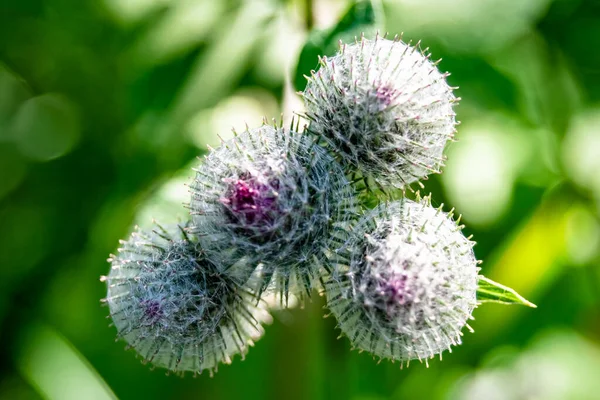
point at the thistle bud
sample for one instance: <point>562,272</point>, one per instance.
<point>174,307</point>
<point>406,282</point>
<point>384,108</point>
<point>269,197</point>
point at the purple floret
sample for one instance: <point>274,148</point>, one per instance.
<point>252,202</point>
<point>394,290</point>
<point>152,310</point>
<point>386,95</point>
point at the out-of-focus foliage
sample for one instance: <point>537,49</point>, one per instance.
<point>104,105</point>
<point>361,18</point>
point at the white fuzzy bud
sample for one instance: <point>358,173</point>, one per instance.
<point>175,308</point>
<point>384,108</point>
<point>267,200</point>
<point>406,282</point>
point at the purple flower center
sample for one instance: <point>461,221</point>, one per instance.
<point>251,202</point>
<point>385,95</point>
<point>152,310</point>
<point>394,290</point>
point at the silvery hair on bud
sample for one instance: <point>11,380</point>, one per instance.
<point>269,198</point>
<point>406,281</point>
<point>174,307</point>
<point>384,108</point>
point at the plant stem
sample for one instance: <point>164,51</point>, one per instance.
<point>308,10</point>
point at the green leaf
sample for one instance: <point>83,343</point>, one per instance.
<point>489,291</point>
<point>361,17</point>
<point>309,57</point>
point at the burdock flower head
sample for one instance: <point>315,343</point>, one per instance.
<point>174,307</point>
<point>267,200</point>
<point>406,282</point>
<point>384,108</point>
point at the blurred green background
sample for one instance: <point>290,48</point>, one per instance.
<point>104,105</point>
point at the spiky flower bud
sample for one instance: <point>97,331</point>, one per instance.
<point>384,108</point>
<point>270,197</point>
<point>174,307</point>
<point>406,283</point>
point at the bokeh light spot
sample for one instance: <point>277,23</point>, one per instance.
<point>581,150</point>
<point>481,171</point>
<point>46,127</point>
<point>13,92</point>
<point>582,236</point>
<point>247,106</point>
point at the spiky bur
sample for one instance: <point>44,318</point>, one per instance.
<point>178,310</point>
<point>406,282</point>
<point>384,108</point>
<point>269,198</point>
